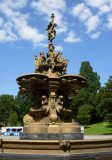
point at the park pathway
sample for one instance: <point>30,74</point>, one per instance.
<point>98,136</point>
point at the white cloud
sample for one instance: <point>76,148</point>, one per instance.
<point>75,11</point>
<point>48,6</point>
<point>9,6</point>
<point>85,14</point>
<point>15,3</point>
<point>95,35</point>
<point>8,29</point>
<point>96,3</point>
<point>61,29</point>
<point>43,45</point>
<point>92,23</point>
<point>93,19</point>
<point>6,33</point>
<point>81,11</point>
<point>27,32</point>
<point>104,9</point>
<point>58,48</point>
<point>109,20</point>
<point>72,38</point>
<point>16,27</point>
<point>5,36</point>
<point>8,11</point>
<point>103,6</point>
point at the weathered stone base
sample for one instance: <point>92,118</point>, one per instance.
<point>104,155</point>
<point>51,136</point>
<point>54,149</point>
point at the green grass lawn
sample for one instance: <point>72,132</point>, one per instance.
<point>98,128</point>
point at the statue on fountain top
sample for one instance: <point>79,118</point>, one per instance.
<point>51,29</point>
<point>55,65</point>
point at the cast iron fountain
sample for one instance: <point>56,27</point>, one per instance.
<point>50,129</point>
<point>51,88</point>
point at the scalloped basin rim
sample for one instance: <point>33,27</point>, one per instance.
<point>72,75</point>
<point>32,74</point>
<point>43,75</point>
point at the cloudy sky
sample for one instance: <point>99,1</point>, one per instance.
<point>84,33</point>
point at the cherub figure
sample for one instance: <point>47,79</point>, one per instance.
<point>45,104</point>
<point>59,104</point>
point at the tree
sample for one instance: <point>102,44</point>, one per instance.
<point>80,99</point>
<point>23,104</point>
<point>100,103</point>
<point>13,119</point>
<point>87,95</point>
<point>84,114</point>
<point>104,99</point>
<point>109,84</point>
<point>7,104</point>
<point>109,95</point>
<point>93,79</point>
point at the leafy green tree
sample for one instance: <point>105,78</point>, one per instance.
<point>87,95</point>
<point>80,99</point>
<point>100,103</point>
<point>84,114</point>
<point>7,104</point>
<point>93,78</point>
<point>104,99</point>
<point>109,84</point>
<point>23,103</point>
<point>109,94</point>
<point>13,119</point>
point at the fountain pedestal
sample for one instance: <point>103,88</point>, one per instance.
<point>53,96</point>
<point>59,131</point>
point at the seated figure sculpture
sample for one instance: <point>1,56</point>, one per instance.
<point>61,61</point>
<point>39,61</point>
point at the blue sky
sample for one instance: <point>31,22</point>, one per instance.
<point>84,33</point>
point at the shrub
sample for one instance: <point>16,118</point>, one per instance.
<point>109,117</point>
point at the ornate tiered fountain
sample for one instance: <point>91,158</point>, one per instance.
<point>50,129</point>
<point>51,88</point>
